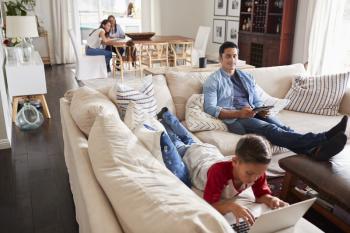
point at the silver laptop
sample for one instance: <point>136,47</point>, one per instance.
<point>274,220</point>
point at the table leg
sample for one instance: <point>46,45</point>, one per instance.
<point>288,185</point>
<point>14,108</point>
<point>45,107</point>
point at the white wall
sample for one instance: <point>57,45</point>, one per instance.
<point>183,17</point>
<point>5,115</point>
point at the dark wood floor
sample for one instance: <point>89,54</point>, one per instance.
<point>35,194</point>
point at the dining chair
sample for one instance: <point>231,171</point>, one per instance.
<point>200,44</point>
<point>180,52</point>
<point>154,53</point>
<point>87,67</point>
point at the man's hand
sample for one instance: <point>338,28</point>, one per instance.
<point>246,112</point>
<point>272,202</point>
<point>264,114</point>
<point>240,212</point>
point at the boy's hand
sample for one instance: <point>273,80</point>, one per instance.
<point>241,212</point>
<point>271,201</point>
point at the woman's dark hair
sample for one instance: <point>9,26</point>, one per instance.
<point>225,45</point>
<point>103,23</point>
<point>253,149</point>
<point>110,16</point>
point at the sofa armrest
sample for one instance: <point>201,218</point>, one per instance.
<point>345,103</point>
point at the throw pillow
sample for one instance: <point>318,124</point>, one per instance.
<point>197,119</point>
<point>146,128</point>
<point>86,104</point>
<point>319,94</point>
<point>278,104</point>
<point>121,94</point>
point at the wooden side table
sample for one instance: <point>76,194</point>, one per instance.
<point>41,44</point>
<point>26,80</point>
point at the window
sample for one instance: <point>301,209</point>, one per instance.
<point>92,12</point>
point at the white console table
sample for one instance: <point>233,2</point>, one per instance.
<point>26,80</point>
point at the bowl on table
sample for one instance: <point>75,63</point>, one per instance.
<point>140,35</point>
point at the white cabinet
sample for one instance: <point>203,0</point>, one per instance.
<point>26,81</point>
<point>26,78</point>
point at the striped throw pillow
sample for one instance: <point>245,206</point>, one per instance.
<point>123,93</point>
<point>320,94</point>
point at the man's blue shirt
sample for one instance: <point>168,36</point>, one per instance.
<point>219,92</point>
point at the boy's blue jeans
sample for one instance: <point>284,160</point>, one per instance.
<point>95,52</point>
<point>178,134</point>
<point>277,133</point>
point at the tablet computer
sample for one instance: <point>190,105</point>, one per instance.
<point>263,108</point>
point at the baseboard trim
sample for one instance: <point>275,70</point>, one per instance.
<point>4,144</point>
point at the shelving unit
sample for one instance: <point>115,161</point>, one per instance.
<point>267,31</point>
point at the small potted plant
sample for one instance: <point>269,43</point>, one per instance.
<point>19,7</point>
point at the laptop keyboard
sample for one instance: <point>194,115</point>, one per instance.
<point>241,227</point>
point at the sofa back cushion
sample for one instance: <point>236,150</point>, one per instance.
<point>182,86</point>
<point>86,103</point>
<point>276,80</point>
<point>146,197</point>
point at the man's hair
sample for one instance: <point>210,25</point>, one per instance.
<point>253,149</point>
<point>225,45</point>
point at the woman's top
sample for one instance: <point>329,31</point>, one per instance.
<point>94,39</point>
<point>117,32</point>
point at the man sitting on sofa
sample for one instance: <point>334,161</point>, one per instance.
<point>230,95</point>
<point>219,176</point>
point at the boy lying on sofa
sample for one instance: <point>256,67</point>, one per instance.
<point>211,172</point>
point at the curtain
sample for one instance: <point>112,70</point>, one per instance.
<point>65,15</point>
<point>324,50</point>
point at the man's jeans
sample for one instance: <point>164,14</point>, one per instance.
<point>277,133</point>
<point>95,52</point>
<point>178,134</point>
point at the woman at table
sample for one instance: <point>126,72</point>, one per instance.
<point>116,32</point>
<point>97,41</point>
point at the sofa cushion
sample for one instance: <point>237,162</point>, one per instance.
<point>146,197</point>
<point>277,80</point>
<point>300,122</point>
<point>183,85</point>
<point>278,104</point>
<point>198,120</point>
<point>319,94</point>
<point>86,103</point>
<point>143,94</point>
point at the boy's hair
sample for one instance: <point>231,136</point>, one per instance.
<point>225,45</point>
<point>253,149</point>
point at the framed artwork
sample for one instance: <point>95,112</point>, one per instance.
<point>233,8</point>
<point>219,31</point>
<point>232,28</point>
<point>220,7</point>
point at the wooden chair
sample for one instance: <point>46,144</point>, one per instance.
<point>180,52</point>
<point>119,61</point>
<point>154,53</point>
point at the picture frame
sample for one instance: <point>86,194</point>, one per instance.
<point>233,8</point>
<point>232,29</point>
<point>220,7</point>
<point>219,31</point>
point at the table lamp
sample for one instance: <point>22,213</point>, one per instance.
<point>23,27</point>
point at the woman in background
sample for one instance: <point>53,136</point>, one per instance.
<point>116,32</point>
<point>97,40</point>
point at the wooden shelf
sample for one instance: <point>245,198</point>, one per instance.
<point>271,31</point>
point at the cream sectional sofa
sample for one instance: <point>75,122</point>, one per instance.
<point>100,189</point>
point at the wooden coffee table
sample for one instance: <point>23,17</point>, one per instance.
<point>330,179</point>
